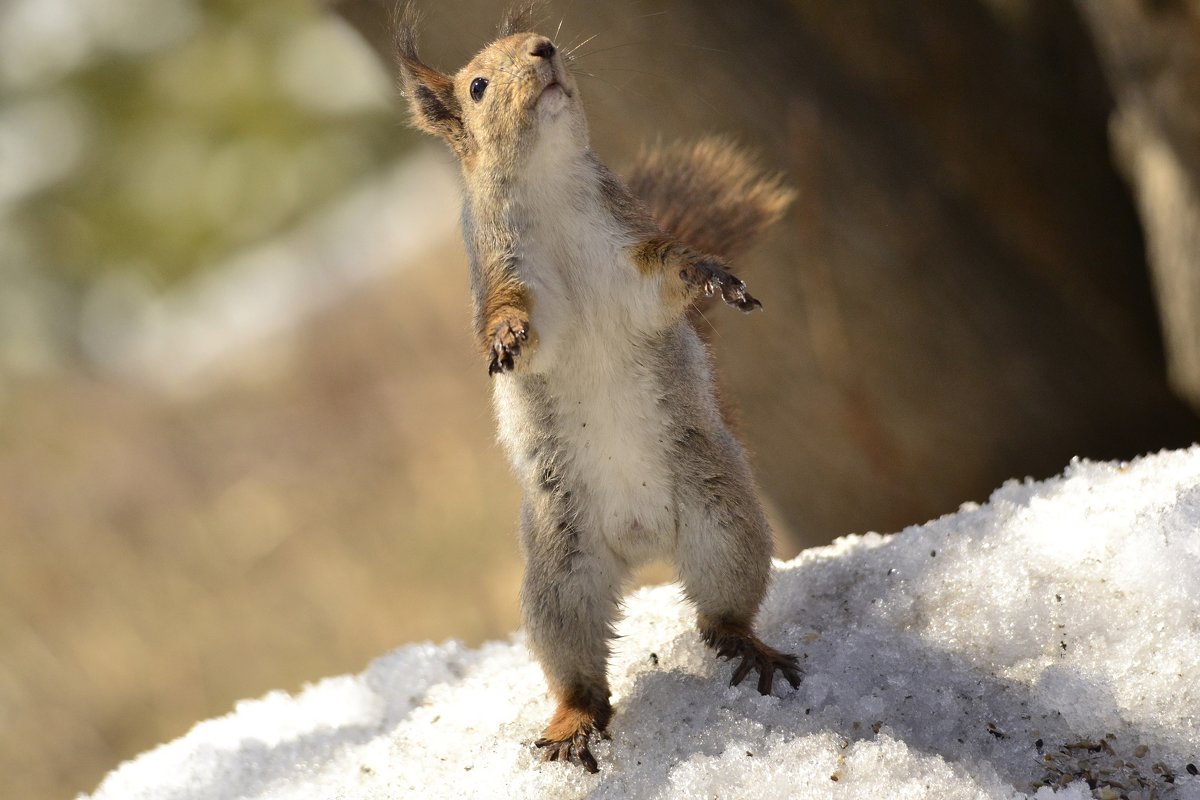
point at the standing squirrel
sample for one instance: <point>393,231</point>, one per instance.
<point>602,387</point>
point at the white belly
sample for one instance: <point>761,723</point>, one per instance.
<point>615,432</point>
<point>592,314</point>
<point>613,457</point>
<point>592,327</point>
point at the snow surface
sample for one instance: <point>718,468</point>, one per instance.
<point>1015,649</point>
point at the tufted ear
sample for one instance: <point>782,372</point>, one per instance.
<point>519,18</point>
<point>430,93</point>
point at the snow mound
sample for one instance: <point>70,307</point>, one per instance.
<point>1046,644</point>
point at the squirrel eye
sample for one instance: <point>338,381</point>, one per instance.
<point>477,87</point>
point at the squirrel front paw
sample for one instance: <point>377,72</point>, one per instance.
<point>506,339</point>
<point>709,276</point>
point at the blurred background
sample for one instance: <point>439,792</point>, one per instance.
<point>245,440</point>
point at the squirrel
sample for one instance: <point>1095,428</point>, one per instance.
<point>583,287</point>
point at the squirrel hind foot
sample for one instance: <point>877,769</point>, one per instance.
<point>732,641</point>
<point>570,733</point>
<point>577,747</point>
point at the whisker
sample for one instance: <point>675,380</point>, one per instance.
<point>610,47</point>
<point>658,75</point>
<point>715,330</point>
<point>511,75</point>
<point>568,48</point>
<point>581,44</point>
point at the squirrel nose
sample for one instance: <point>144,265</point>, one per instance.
<point>543,49</point>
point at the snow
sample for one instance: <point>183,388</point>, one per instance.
<point>1015,649</point>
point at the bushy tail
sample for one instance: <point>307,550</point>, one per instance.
<point>708,194</point>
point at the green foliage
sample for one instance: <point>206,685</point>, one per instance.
<point>255,114</point>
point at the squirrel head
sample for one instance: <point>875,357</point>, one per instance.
<point>493,111</point>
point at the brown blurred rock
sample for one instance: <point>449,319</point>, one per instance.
<point>960,295</point>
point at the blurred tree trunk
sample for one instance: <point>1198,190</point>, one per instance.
<point>1151,55</point>
<point>960,295</point>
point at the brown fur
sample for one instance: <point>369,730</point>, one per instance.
<point>583,711</point>
<point>503,329</point>
<point>691,275</point>
<point>711,195</point>
<point>430,93</point>
<point>650,255</point>
<point>518,18</point>
<point>708,193</point>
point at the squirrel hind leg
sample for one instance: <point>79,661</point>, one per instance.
<point>568,605</point>
<point>724,560</point>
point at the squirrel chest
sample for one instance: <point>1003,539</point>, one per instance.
<point>588,404</point>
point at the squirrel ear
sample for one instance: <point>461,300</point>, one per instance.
<point>430,93</point>
<point>519,18</point>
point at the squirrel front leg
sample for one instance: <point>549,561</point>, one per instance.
<point>688,274</point>
<point>502,305</point>
<point>502,301</point>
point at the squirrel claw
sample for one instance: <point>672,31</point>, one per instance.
<point>739,298</point>
<point>710,277</point>
<point>507,338</point>
<point>576,745</point>
<point>766,660</point>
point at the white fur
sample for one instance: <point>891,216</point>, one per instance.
<point>590,309</point>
